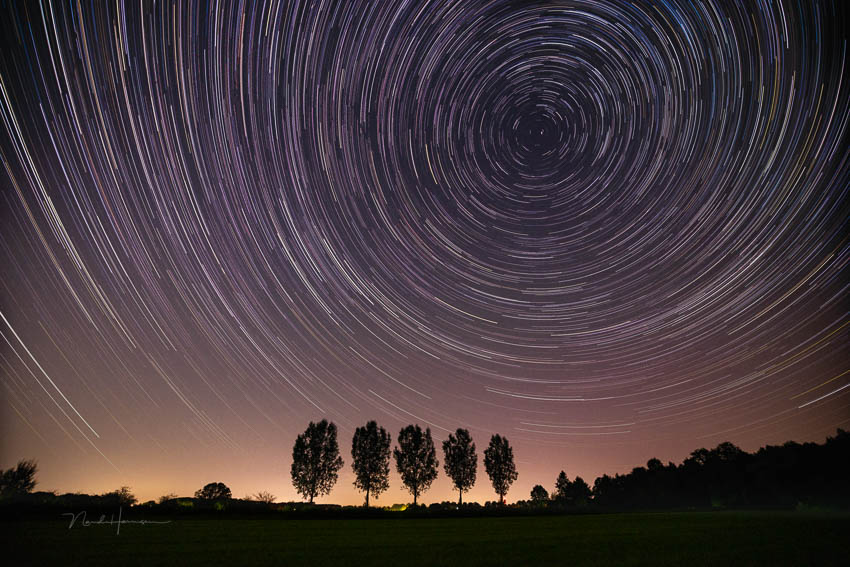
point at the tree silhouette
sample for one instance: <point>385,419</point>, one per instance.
<point>575,493</point>
<point>214,491</point>
<point>539,494</point>
<point>264,497</point>
<point>124,496</point>
<point>461,462</point>
<point>789,475</point>
<point>315,460</point>
<point>18,480</point>
<point>580,492</point>
<point>562,488</point>
<point>370,453</point>
<point>499,464</point>
<point>416,460</point>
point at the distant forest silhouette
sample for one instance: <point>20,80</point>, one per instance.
<point>792,475</point>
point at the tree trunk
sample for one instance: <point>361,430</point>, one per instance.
<point>460,498</point>
<point>367,497</point>
<point>311,498</point>
<point>502,499</point>
<point>414,498</point>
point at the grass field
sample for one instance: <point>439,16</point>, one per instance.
<point>688,538</point>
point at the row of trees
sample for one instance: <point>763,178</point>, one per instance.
<point>316,460</point>
<point>788,475</point>
<point>726,476</point>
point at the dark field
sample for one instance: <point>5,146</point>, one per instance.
<point>688,538</point>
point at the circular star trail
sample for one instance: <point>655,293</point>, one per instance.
<point>591,226</point>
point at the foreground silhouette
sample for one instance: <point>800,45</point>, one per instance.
<point>499,464</point>
<point>416,460</point>
<point>461,461</point>
<point>370,454</point>
<point>316,460</point>
<point>777,476</point>
<point>788,476</point>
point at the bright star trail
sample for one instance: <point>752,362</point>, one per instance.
<point>605,230</point>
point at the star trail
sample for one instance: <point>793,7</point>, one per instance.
<point>605,230</point>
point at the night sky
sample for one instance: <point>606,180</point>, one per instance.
<point>607,230</point>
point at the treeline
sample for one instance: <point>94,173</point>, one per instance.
<point>786,476</point>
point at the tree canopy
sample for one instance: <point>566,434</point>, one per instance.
<point>499,464</point>
<point>370,453</point>
<point>416,460</point>
<point>263,496</point>
<point>19,479</point>
<point>575,493</point>
<point>562,487</point>
<point>461,462</point>
<point>315,460</point>
<point>539,494</point>
<point>214,491</point>
<point>125,496</point>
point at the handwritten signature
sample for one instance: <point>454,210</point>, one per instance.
<point>103,521</point>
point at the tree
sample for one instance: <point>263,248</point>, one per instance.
<point>264,497</point>
<point>416,460</point>
<point>461,462</point>
<point>576,492</point>
<point>18,480</point>
<point>580,492</point>
<point>316,460</point>
<point>562,487</point>
<point>699,457</point>
<point>370,453</point>
<point>539,494</point>
<point>214,491</point>
<point>727,451</point>
<point>124,496</point>
<point>499,464</point>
